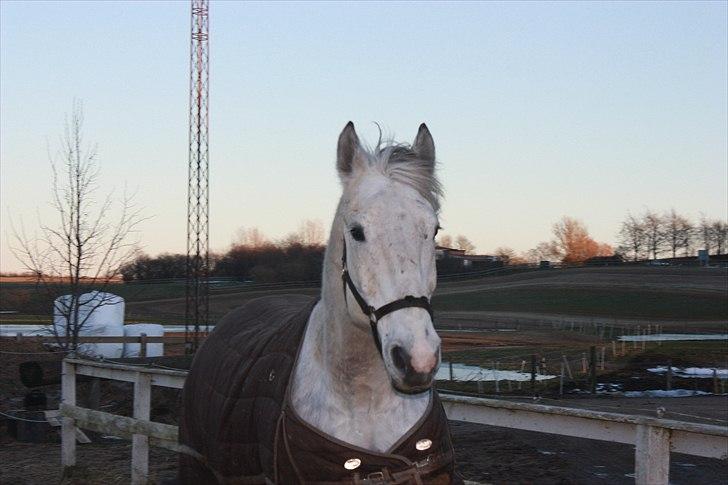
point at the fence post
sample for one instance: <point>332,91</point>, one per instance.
<point>604,352</point>
<point>533,373</point>
<point>143,345</point>
<point>593,369</point>
<point>715,381</point>
<point>495,374</point>
<point>614,348</point>
<point>583,363</point>
<point>652,455</point>
<point>140,443</point>
<point>68,425</point>
<point>451,375</point>
<point>668,376</point>
<point>561,381</point>
<point>568,367</point>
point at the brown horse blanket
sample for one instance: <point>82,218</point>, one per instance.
<point>238,425</point>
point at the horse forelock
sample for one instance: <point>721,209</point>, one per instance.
<point>400,163</point>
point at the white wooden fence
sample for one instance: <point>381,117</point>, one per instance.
<point>139,428</point>
<point>654,438</point>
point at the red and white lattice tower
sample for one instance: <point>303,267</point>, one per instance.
<point>198,209</point>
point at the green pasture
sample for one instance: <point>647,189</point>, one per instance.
<point>616,303</point>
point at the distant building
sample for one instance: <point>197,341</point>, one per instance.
<point>613,260</point>
<point>452,260</point>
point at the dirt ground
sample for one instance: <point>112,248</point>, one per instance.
<point>484,454</point>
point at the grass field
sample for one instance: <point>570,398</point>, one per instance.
<point>612,302</point>
<point>659,293</point>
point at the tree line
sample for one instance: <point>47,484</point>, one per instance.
<point>652,235</point>
<point>252,256</point>
<point>299,255</point>
<point>571,243</point>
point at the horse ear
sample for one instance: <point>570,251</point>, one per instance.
<point>424,146</point>
<point>346,150</point>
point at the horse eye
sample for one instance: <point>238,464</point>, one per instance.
<point>357,232</point>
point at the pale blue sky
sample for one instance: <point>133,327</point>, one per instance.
<point>538,110</point>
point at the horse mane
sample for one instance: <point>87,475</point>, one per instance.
<point>400,162</point>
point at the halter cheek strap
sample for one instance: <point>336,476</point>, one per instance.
<point>376,314</point>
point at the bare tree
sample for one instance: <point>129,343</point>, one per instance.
<point>544,251</point>
<point>677,231</point>
<point>251,237</point>
<point>688,237</point>
<point>311,233</point>
<point>653,225</point>
<point>719,234</point>
<point>464,243</point>
<point>632,236</point>
<point>445,241</point>
<point>88,243</point>
<point>705,232</point>
<point>505,254</point>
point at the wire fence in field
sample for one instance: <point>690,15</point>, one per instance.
<point>556,371</point>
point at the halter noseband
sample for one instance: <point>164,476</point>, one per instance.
<point>376,314</point>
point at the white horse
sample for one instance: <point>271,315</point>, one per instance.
<point>287,390</point>
<point>387,218</point>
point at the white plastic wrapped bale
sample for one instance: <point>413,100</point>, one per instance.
<point>99,314</point>
<point>135,330</point>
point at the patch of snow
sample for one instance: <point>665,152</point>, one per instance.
<point>703,372</point>
<point>663,393</point>
<point>663,337</point>
<point>463,372</point>
<point>606,387</point>
<point>31,330</point>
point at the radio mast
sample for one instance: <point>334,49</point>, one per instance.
<point>197,309</point>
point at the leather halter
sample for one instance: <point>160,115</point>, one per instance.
<point>376,314</point>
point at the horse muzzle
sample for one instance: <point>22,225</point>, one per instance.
<point>413,379</point>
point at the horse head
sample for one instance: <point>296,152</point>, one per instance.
<point>388,220</point>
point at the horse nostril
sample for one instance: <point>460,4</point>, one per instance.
<point>400,358</point>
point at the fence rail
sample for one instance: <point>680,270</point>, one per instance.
<point>654,438</point>
<point>143,340</point>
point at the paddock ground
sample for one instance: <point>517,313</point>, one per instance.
<point>484,454</point>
